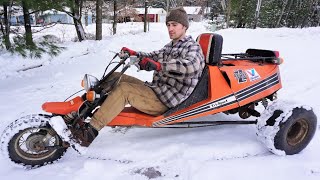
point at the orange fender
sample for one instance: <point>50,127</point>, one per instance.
<point>63,108</point>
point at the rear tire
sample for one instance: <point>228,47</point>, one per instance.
<point>286,129</point>
<point>296,132</point>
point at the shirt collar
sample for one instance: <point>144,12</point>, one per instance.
<point>186,38</point>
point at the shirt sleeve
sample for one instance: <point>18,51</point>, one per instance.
<point>155,55</point>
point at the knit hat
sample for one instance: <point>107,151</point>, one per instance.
<point>178,15</point>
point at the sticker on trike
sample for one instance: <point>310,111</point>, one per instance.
<point>253,74</point>
<point>240,76</point>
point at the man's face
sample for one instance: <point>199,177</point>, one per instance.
<point>176,30</point>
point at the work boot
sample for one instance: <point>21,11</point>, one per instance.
<point>84,135</point>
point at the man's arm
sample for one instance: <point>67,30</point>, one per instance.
<point>155,55</point>
<point>187,67</point>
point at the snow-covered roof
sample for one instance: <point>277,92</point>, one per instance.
<point>192,9</point>
<point>53,12</point>
<point>151,10</point>
<point>17,10</point>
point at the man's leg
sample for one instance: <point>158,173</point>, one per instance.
<point>137,95</point>
<point>124,78</point>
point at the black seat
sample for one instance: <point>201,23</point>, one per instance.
<point>199,93</point>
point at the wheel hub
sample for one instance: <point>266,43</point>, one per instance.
<point>34,143</point>
<point>297,132</point>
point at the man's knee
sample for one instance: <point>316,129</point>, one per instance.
<point>123,87</point>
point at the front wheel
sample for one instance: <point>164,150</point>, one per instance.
<point>287,130</point>
<point>32,141</point>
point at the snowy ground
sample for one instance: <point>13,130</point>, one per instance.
<point>222,152</point>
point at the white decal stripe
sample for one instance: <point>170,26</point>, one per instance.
<point>265,87</point>
<point>254,86</point>
<point>211,106</point>
<point>200,107</point>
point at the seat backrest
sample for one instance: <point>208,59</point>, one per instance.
<point>211,45</point>
<point>200,93</point>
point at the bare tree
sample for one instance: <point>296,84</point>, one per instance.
<point>228,13</point>
<point>256,16</point>
<point>114,25</point>
<point>76,15</point>
<point>284,5</point>
<point>99,20</point>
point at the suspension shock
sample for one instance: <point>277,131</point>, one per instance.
<point>69,118</point>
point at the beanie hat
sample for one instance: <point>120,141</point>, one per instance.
<point>178,15</point>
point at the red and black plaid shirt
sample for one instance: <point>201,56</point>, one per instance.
<point>182,64</point>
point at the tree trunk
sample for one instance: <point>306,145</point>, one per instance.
<point>114,25</point>
<point>288,12</point>
<point>256,16</point>
<point>239,22</point>
<point>27,24</point>
<point>228,12</point>
<point>86,18</point>
<point>282,11</point>
<point>6,31</point>
<point>145,15</point>
<point>77,20</point>
<point>99,20</point>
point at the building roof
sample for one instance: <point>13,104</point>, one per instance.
<point>192,9</point>
<point>196,9</point>
<point>151,10</point>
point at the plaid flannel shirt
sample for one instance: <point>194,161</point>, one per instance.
<point>182,64</point>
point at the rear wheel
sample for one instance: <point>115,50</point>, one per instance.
<point>286,130</point>
<point>296,132</point>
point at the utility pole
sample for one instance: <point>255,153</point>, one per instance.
<point>114,25</point>
<point>145,15</point>
<point>168,6</point>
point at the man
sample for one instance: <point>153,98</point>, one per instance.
<point>177,68</point>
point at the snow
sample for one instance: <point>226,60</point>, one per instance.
<point>151,10</point>
<point>220,152</point>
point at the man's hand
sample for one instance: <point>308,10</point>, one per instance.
<point>131,52</point>
<point>149,65</point>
